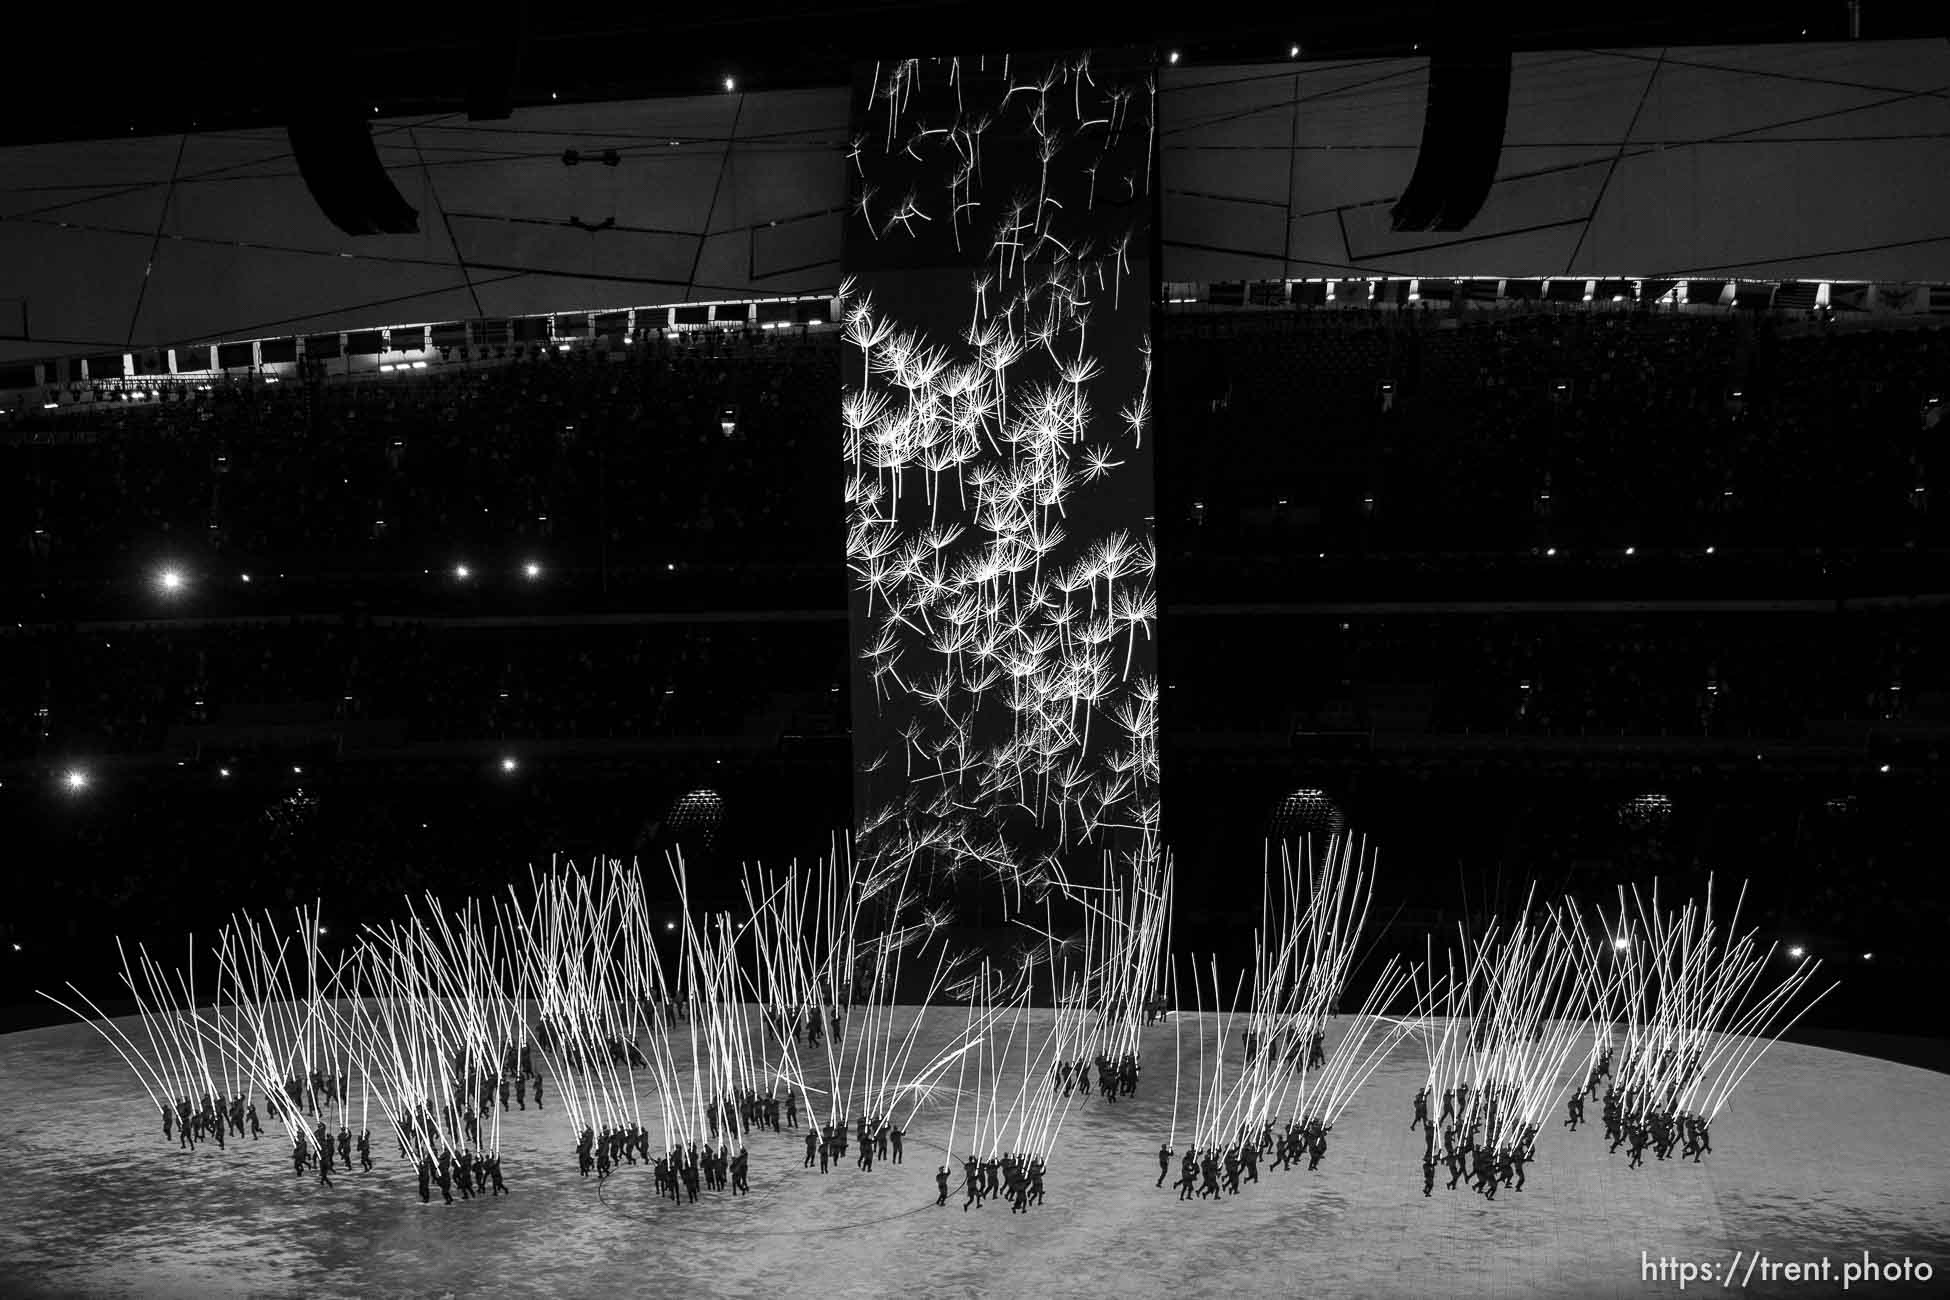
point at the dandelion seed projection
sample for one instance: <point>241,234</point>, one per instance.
<point>997,477</point>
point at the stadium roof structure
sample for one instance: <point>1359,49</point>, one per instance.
<point>160,200</point>
<point>230,67</point>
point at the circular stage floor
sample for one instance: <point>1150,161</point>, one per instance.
<point>1822,1154</point>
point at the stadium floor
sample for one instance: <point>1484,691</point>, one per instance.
<point>1822,1153</point>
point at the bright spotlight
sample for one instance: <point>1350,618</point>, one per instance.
<point>1172,57</point>
<point>296,770</point>
<point>532,569</point>
<point>1293,51</point>
<point>670,925</point>
<point>1883,768</point>
<point>1550,550</point>
<point>245,576</point>
<point>170,579</point>
<point>1797,952</point>
<point>730,84</point>
<point>1710,550</point>
<point>223,771</point>
<point>77,779</point>
<point>1631,550</point>
<point>1620,944</point>
<point>508,763</point>
<point>1868,956</point>
<point>462,572</point>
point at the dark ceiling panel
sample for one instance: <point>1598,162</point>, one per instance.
<point>137,78</point>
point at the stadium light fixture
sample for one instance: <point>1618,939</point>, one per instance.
<point>462,572</point>
<point>508,763</point>
<point>531,570</point>
<point>1797,952</point>
<point>171,580</point>
<point>76,779</point>
<point>730,84</point>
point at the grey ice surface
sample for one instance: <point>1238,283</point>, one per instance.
<point>1821,1153</point>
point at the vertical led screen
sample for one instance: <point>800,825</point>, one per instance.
<point>997,458</point>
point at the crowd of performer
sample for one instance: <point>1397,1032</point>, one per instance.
<point>680,1170</point>
<point>1478,1135</point>
<point>1642,1106</point>
<point>1213,1172</point>
<point>1293,1045</point>
<point>1008,1174</point>
<point>1114,1078</point>
<point>187,1124</point>
<point>877,1136</point>
<point>1482,1146</point>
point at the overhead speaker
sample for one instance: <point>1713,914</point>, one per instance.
<point>340,163</point>
<point>1462,138</point>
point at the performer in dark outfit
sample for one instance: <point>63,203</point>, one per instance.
<point>1208,1169</point>
<point>1187,1177</point>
